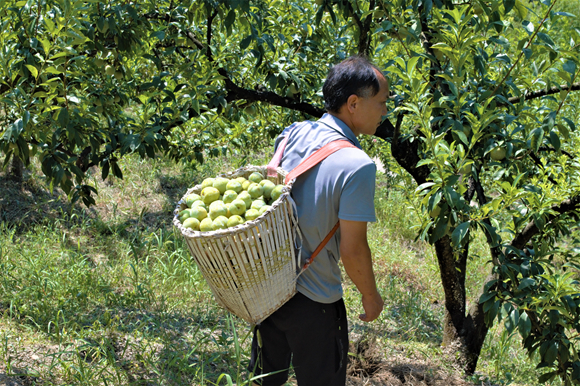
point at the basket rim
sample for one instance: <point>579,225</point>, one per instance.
<point>238,228</point>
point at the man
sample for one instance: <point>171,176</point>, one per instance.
<point>310,330</point>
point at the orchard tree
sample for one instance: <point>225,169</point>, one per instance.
<point>484,118</point>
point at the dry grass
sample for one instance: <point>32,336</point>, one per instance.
<point>370,366</point>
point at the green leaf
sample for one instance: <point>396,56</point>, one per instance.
<point>564,132</point>
<point>23,149</point>
<point>570,124</point>
<point>246,42</point>
<point>7,160</point>
<point>462,137</point>
<point>524,325</point>
<point>33,70</point>
<point>319,15</point>
<point>528,27</point>
<point>570,67</point>
<point>50,26</point>
<point>116,170</point>
<point>527,282</point>
<point>63,117</point>
<point>551,353</point>
<point>547,377</point>
<point>45,45</point>
<point>509,5</point>
<point>564,353</point>
<point>555,140</point>
<point>554,316</point>
<point>491,313</point>
<point>424,186</point>
<point>230,19</point>
<point>13,133</point>
<point>546,38</point>
<point>411,64</point>
<point>512,321</point>
<point>195,105</point>
<point>459,233</point>
<point>105,170</point>
<point>160,35</point>
<point>537,135</point>
<point>52,70</point>
<point>576,370</point>
<point>25,119</point>
<point>441,226</point>
<point>133,141</point>
<point>567,14</point>
<point>491,231</point>
<point>426,161</point>
<point>486,296</point>
<point>521,9</point>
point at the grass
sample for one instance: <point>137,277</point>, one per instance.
<point>109,296</point>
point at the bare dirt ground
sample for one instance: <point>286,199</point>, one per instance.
<point>369,366</point>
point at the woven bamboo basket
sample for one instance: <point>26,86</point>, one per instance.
<point>251,268</point>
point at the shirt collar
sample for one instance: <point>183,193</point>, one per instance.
<point>340,127</point>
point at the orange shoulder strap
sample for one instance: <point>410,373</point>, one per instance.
<point>321,245</point>
<point>317,157</point>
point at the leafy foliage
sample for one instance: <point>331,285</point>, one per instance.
<point>466,96</point>
<point>485,119</point>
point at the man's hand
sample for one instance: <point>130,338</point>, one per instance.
<point>373,306</point>
<point>356,258</point>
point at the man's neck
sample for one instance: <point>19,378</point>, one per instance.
<point>345,119</point>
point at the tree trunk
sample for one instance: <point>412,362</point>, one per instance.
<point>16,169</point>
<point>463,332</point>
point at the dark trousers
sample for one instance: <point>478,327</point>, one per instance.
<point>312,336</point>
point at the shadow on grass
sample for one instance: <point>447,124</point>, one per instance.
<point>26,204</point>
<point>17,377</point>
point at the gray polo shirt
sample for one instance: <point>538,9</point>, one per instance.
<point>341,187</point>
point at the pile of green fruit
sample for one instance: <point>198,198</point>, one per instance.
<point>224,203</point>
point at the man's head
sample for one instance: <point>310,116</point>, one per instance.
<point>356,91</point>
<point>355,75</point>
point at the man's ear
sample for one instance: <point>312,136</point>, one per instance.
<point>351,103</point>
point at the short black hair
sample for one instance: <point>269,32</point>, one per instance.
<point>355,75</point>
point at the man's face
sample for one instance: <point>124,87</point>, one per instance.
<point>368,113</point>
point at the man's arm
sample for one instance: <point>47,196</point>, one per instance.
<point>357,260</point>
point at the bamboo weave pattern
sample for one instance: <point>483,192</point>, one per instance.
<point>251,268</point>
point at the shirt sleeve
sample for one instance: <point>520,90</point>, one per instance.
<point>357,199</point>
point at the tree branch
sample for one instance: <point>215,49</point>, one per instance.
<point>531,229</point>
<point>407,155</point>
<point>234,92</point>
<point>542,93</point>
<point>386,130</point>
<point>425,38</point>
<point>364,41</point>
<point>195,41</point>
<point>209,33</point>
<point>357,19</point>
<point>547,148</point>
<point>495,251</point>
